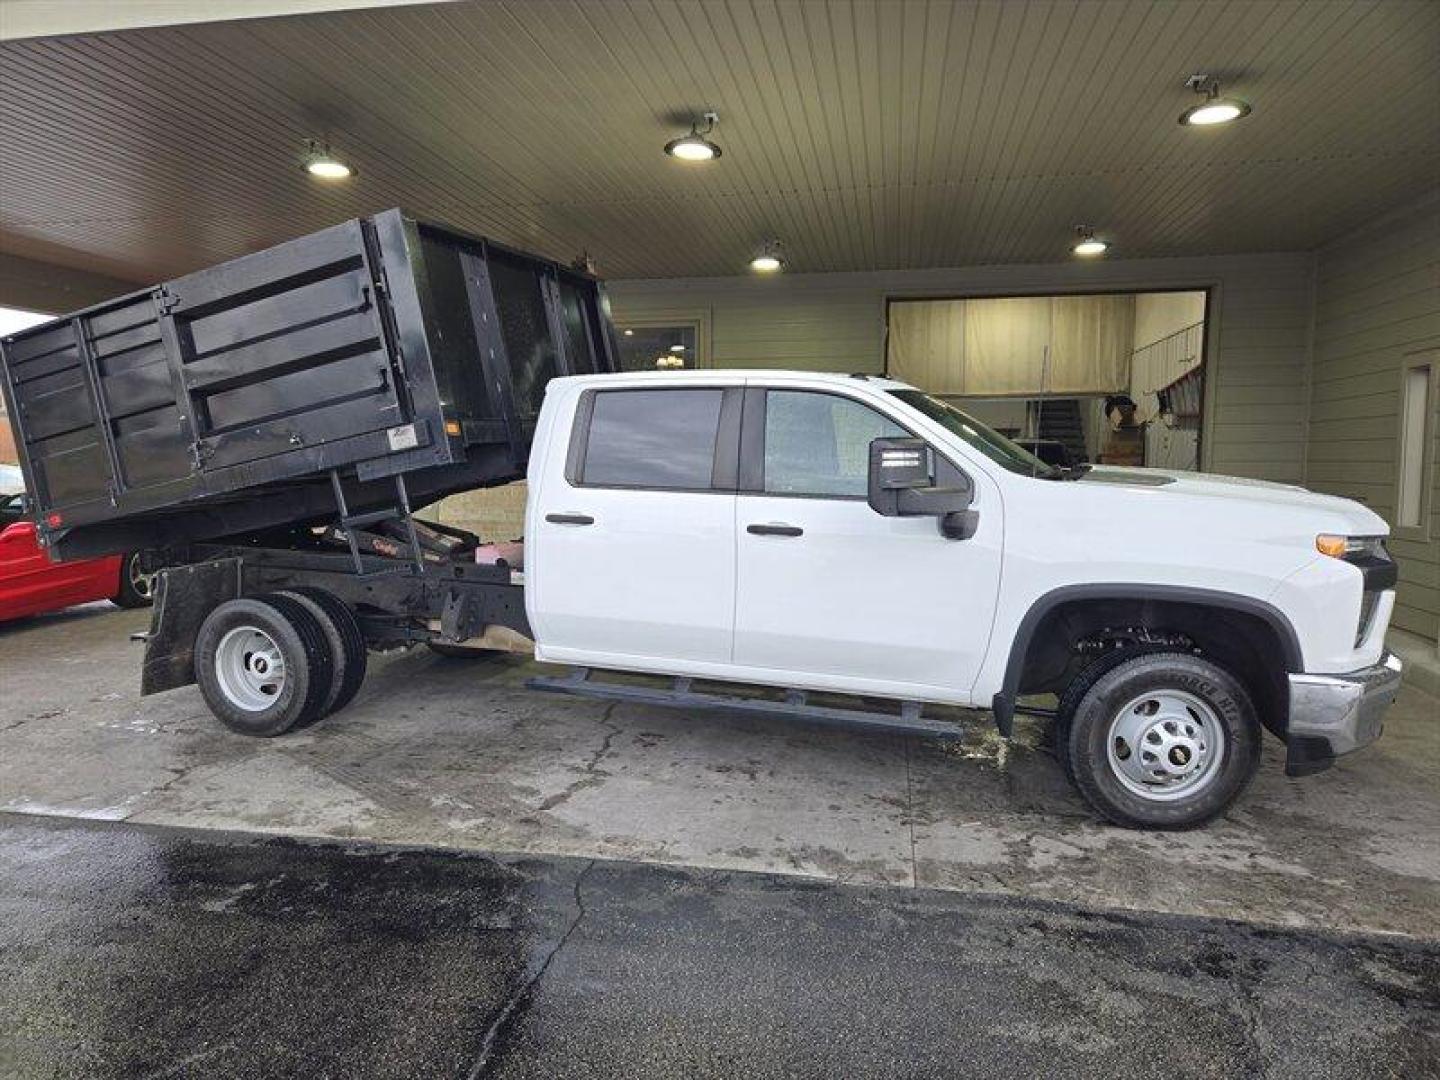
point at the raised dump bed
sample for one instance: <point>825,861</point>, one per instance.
<point>239,397</point>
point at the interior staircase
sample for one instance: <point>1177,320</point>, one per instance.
<point>1059,419</point>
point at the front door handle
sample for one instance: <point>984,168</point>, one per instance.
<point>570,519</point>
<point>775,530</point>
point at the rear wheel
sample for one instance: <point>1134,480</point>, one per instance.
<point>137,588</point>
<point>263,664</point>
<point>1160,740</point>
<point>353,656</point>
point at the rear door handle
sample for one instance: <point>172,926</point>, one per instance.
<point>570,519</point>
<point>775,530</point>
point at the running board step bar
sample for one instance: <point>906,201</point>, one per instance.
<point>795,706</point>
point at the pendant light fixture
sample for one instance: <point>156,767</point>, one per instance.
<point>320,163</point>
<point>769,259</point>
<point>1086,244</point>
<point>1214,109</point>
<point>696,147</point>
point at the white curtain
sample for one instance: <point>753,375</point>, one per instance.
<point>1090,344</point>
<point>998,348</point>
<point>926,337</point>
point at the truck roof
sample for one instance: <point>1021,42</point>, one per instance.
<point>822,378</point>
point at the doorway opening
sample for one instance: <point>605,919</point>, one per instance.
<point>1109,378</point>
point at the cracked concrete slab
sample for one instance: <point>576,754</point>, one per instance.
<point>456,753</point>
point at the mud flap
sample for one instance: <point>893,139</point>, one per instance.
<point>184,596</point>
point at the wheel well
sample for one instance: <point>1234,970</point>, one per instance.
<point>1252,642</point>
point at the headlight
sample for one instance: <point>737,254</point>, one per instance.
<point>1351,547</point>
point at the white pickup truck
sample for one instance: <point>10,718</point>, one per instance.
<point>841,535</point>
<point>855,535</point>
<point>262,429</point>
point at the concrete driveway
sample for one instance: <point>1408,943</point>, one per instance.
<point>457,754</point>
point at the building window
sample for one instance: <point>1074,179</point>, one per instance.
<point>659,348</point>
<point>1417,410</point>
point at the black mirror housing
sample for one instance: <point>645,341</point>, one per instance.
<point>931,502</point>
<point>896,465</point>
<point>902,484</point>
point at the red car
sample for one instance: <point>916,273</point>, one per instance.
<point>30,583</point>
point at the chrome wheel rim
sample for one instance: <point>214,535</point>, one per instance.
<point>140,581</point>
<point>1166,745</point>
<point>250,669</point>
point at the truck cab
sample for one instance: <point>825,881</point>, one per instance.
<point>855,535</point>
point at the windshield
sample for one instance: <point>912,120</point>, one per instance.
<point>992,444</point>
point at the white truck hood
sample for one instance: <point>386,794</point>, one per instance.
<point>1345,516</point>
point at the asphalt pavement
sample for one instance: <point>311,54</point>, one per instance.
<point>146,951</point>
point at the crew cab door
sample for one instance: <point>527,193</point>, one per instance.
<point>830,590</point>
<point>630,531</point>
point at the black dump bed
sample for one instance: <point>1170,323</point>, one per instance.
<point>220,403</point>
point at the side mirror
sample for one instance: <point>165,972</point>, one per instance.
<point>18,532</point>
<point>902,484</point>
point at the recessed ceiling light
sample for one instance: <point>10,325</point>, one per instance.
<point>1086,244</point>
<point>695,146</point>
<point>629,333</point>
<point>768,260</point>
<point>1214,109</point>
<point>322,164</point>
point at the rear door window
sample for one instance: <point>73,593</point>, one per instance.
<point>661,439</point>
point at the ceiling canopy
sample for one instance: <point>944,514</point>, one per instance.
<point>863,136</point>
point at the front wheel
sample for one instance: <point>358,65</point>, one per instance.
<point>1163,741</point>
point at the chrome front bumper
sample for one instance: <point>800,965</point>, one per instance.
<point>1332,715</point>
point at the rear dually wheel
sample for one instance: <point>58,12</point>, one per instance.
<point>263,665</point>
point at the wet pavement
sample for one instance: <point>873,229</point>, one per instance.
<point>458,754</point>
<point>131,951</point>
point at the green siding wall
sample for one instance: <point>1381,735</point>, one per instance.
<point>1258,351</point>
<point>1377,304</point>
